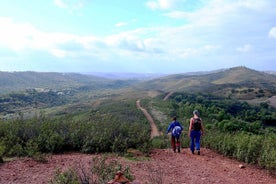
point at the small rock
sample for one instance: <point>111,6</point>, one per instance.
<point>241,166</point>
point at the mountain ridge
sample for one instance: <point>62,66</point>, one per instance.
<point>236,79</point>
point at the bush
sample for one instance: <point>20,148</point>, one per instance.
<point>160,142</point>
<point>2,150</point>
<point>105,169</point>
<point>67,177</point>
<point>267,157</point>
<point>246,147</point>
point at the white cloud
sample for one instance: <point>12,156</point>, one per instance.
<point>177,14</point>
<point>244,48</point>
<point>121,24</point>
<point>69,4</point>
<point>272,32</point>
<point>60,3</point>
<point>14,35</point>
<point>214,12</point>
<point>161,4</point>
<point>22,36</point>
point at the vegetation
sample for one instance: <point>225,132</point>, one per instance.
<point>102,170</point>
<point>99,130</point>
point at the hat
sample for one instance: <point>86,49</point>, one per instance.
<point>196,112</point>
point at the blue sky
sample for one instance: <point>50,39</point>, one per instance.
<point>140,36</point>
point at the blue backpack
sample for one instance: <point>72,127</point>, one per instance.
<point>176,131</point>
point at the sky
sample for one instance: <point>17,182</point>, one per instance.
<point>137,36</point>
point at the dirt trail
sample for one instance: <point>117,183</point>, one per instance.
<point>171,168</point>
<point>209,167</point>
<point>167,96</point>
<point>154,129</point>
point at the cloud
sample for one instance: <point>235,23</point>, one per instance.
<point>161,4</point>
<point>69,4</point>
<point>214,12</point>
<point>60,3</point>
<point>272,32</point>
<point>121,24</point>
<point>177,14</point>
<point>22,36</point>
<point>15,35</point>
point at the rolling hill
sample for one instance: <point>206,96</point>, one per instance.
<point>238,82</point>
<point>21,81</point>
<point>26,90</point>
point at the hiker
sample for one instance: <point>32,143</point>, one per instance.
<point>176,129</point>
<point>195,132</point>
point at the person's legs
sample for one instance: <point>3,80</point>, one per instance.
<point>178,143</point>
<point>173,143</point>
<point>192,142</point>
<point>197,144</point>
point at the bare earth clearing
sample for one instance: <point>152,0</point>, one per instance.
<point>171,167</point>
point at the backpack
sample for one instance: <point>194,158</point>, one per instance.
<point>176,131</point>
<point>197,124</point>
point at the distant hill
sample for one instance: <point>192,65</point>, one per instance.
<point>271,72</point>
<point>238,82</point>
<point>128,76</point>
<point>20,81</point>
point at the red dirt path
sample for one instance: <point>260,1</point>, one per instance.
<point>207,168</point>
<point>154,129</point>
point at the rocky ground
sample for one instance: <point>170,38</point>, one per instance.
<point>163,166</point>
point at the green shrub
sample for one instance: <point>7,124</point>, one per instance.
<point>67,177</point>
<point>2,151</point>
<point>268,153</point>
<point>160,142</point>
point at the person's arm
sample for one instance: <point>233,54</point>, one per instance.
<point>190,127</point>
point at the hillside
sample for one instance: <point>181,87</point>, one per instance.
<point>23,91</point>
<point>239,82</point>
<point>20,81</point>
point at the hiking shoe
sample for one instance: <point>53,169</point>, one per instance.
<point>198,152</point>
<point>178,150</point>
<point>193,152</point>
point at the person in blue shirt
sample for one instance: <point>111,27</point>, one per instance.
<point>176,129</point>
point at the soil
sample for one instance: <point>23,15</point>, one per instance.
<point>154,129</point>
<point>163,166</point>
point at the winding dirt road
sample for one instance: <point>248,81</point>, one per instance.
<point>154,129</point>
